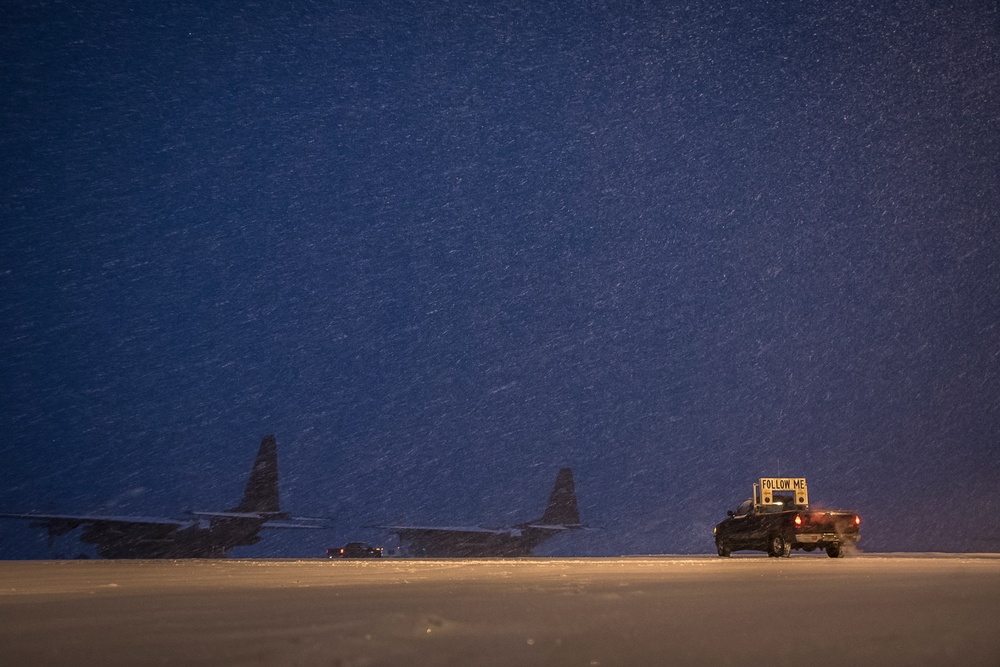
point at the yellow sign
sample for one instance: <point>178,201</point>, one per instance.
<point>797,485</point>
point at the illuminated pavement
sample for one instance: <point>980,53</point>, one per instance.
<point>886,610</point>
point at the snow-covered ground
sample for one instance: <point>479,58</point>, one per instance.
<point>893,609</point>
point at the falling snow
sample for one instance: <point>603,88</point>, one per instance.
<point>443,250</point>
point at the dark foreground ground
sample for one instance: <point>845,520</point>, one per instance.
<point>871,610</point>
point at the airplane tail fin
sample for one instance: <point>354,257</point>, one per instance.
<point>562,509</point>
<point>261,494</point>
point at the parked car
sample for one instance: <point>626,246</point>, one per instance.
<point>355,550</point>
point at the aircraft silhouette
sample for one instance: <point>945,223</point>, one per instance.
<point>203,534</point>
<point>561,514</point>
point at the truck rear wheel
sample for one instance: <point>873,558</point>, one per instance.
<point>835,551</point>
<point>778,547</point>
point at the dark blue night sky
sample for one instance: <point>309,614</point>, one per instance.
<point>442,249</point>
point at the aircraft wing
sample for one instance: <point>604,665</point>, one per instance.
<point>288,525</point>
<point>270,519</point>
<point>67,522</point>
<point>231,515</point>
<point>447,529</point>
<point>477,530</point>
<point>80,519</point>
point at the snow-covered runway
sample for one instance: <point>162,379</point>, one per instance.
<point>672,610</point>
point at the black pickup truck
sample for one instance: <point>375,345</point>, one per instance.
<point>778,519</point>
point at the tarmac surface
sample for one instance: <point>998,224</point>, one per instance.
<point>900,609</point>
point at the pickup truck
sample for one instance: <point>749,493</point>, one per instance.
<point>777,519</point>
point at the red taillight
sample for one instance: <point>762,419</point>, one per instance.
<point>798,520</point>
<point>857,520</point>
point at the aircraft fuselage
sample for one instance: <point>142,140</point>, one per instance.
<point>195,541</point>
<point>508,544</point>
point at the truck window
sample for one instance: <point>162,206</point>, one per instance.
<point>744,507</point>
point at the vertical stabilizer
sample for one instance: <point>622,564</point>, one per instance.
<point>261,494</point>
<point>562,509</point>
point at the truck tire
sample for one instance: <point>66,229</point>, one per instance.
<point>722,548</point>
<point>836,551</point>
<point>777,547</point>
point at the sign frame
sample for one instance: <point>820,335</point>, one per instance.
<point>769,485</point>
